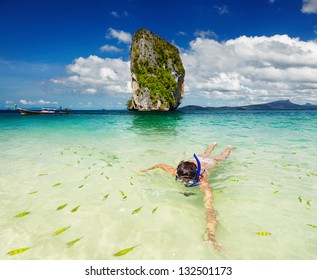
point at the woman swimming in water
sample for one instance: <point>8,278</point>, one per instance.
<point>195,172</point>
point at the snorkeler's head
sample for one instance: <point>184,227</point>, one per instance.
<point>186,172</point>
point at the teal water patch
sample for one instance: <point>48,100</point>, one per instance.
<point>71,187</point>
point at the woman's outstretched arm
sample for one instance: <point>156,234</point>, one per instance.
<point>211,219</point>
<point>167,168</point>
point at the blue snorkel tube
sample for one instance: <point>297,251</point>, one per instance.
<point>195,183</point>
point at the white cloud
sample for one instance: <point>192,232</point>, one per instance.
<point>24,102</point>
<point>39,102</point>
<point>252,69</point>
<point>121,36</point>
<point>222,10</point>
<point>43,102</point>
<point>221,81</point>
<point>309,6</point>
<point>85,105</point>
<point>114,14</point>
<point>95,75</point>
<point>244,70</point>
<point>117,15</point>
<point>205,34</point>
<point>90,91</point>
<point>109,48</point>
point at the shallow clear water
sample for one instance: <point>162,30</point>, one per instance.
<point>268,184</point>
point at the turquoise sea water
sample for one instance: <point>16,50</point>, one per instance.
<point>70,186</point>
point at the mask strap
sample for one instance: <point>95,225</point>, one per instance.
<point>195,183</point>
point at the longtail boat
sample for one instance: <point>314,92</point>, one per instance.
<point>43,111</point>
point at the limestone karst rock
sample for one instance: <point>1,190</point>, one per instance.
<point>157,73</point>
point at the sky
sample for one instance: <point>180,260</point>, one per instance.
<point>75,53</point>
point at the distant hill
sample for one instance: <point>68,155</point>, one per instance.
<point>275,105</point>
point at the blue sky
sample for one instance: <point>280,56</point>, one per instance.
<point>76,53</point>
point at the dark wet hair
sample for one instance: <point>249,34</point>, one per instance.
<point>186,172</point>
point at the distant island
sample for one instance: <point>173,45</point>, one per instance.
<point>275,105</point>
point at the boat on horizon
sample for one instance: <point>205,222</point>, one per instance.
<point>43,111</point>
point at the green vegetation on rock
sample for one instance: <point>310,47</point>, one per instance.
<point>157,73</point>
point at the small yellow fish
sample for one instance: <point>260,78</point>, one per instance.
<point>263,233</point>
<point>124,251</point>
<point>311,225</point>
<point>154,210</point>
<point>59,231</point>
<point>136,210</point>
<point>75,209</point>
<point>71,243</point>
<point>31,193</point>
<point>123,195</point>
<point>17,251</point>
<point>61,207</point>
<point>22,214</point>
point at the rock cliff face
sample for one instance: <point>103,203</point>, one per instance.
<point>157,73</point>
